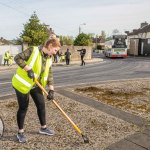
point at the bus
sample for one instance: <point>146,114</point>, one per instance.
<point>116,47</point>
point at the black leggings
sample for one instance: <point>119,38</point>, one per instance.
<point>23,102</point>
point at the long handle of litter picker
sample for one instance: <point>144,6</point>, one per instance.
<point>73,124</point>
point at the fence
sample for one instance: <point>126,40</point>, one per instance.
<point>75,55</point>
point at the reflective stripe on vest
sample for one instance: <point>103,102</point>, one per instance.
<point>46,72</point>
<point>45,78</point>
<point>22,82</point>
<point>34,57</point>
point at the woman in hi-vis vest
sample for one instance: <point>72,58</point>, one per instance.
<point>34,63</point>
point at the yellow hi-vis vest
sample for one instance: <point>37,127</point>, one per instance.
<point>6,55</point>
<point>22,82</point>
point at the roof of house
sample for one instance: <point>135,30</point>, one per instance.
<point>4,41</point>
<point>140,30</point>
<point>98,40</point>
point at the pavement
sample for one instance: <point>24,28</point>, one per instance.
<point>90,61</point>
<point>138,141</point>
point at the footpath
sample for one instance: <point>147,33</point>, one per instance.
<point>91,61</point>
<point>137,141</point>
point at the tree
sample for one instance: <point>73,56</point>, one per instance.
<point>109,38</point>
<point>83,40</point>
<point>115,31</point>
<point>66,40</point>
<point>34,32</point>
<point>17,41</point>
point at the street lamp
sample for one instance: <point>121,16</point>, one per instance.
<point>134,47</point>
<point>80,27</point>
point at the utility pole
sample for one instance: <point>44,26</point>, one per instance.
<point>80,27</point>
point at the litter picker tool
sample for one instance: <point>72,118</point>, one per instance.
<point>85,138</point>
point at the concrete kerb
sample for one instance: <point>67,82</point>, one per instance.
<point>5,68</point>
<point>93,60</point>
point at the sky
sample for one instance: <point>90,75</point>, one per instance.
<point>66,16</point>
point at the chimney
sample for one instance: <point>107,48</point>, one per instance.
<point>127,32</point>
<point>143,24</point>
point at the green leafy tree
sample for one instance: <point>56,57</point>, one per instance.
<point>66,40</point>
<point>17,41</point>
<point>83,40</point>
<point>34,32</point>
<point>109,38</point>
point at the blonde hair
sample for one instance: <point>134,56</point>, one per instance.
<point>54,41</point>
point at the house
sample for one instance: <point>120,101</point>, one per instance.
<point>139,40</point>
<point>98,42</point>
<point>4,41</point>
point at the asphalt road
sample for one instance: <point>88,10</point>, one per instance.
<point>75,75</point>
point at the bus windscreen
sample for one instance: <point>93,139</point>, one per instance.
<point>119,43</point>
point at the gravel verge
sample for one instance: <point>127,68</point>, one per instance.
<point>101,128</point>
<point>131,96</point>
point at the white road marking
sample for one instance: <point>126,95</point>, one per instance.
<point>5,83</point>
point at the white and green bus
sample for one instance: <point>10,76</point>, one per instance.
<point>116,47</point>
